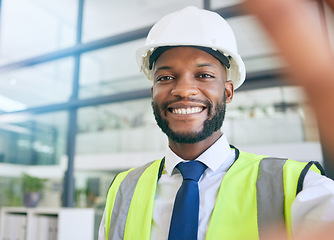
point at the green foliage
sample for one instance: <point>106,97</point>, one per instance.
<point>13,199</point>
<point>32,184</point>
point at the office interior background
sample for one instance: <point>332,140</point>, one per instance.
<point>76,110</point>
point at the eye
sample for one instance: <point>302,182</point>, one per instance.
<point>164,78</point>
<point>205,75</point>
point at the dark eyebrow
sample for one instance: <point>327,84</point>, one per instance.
<point>199,66</point>
<point>206,65</point>
<point>162,68</point>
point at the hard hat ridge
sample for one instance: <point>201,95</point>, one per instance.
<point>194,27</point>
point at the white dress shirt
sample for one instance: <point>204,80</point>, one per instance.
<point>317,193</point>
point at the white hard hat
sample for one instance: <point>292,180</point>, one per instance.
<point>192,26</point>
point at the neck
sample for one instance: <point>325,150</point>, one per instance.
<point>190,151</point>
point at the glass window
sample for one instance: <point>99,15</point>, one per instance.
<point>215,4</point>
<point>30,28</point>
<point>37,85</point>
<point>111,70</point>
<point>33,145</point>
<point>270,116</point>
<point>254,45</point>
<point>33,139</point>
<point>125,127</point>
<point>103,18</point>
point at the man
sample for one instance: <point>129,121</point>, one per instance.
<point>191,57</point>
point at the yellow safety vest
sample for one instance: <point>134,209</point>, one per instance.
<point>255,192</point>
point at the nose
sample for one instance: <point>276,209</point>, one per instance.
<point>185,87</point>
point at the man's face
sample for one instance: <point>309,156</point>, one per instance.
<point>189,94</point>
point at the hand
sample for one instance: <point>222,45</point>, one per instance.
<point>306,49</point>
<point>325,232</point>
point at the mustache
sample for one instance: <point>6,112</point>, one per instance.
<point>206,103</point>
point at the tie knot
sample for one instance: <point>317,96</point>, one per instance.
<point>191,170</point>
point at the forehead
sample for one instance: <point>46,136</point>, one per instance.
<point>185,55</point>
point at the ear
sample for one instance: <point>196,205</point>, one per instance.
<point>152,91</point>
<point>229,90</point>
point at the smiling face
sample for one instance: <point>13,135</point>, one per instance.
<point>189,94</point>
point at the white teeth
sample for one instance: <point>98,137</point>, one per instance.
<point>189,110</point>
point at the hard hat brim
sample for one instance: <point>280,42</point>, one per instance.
<point>238,69</point>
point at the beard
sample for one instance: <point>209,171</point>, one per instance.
<point>210,125</point>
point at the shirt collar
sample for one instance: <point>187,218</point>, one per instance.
<point>213,157</point>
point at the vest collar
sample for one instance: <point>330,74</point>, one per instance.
<point>213,157</point>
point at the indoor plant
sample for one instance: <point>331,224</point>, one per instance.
<point>32,187</point>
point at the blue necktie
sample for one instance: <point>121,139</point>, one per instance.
<point>184,223</point>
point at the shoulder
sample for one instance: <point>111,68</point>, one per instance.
<point>134,174</point>
<point>288,163</point>
<point>250,157</point>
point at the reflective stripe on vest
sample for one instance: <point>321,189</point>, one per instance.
<point>128,207</point>
<point>241,210</point>
<point>122,202</point>
<point>270,193</point>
